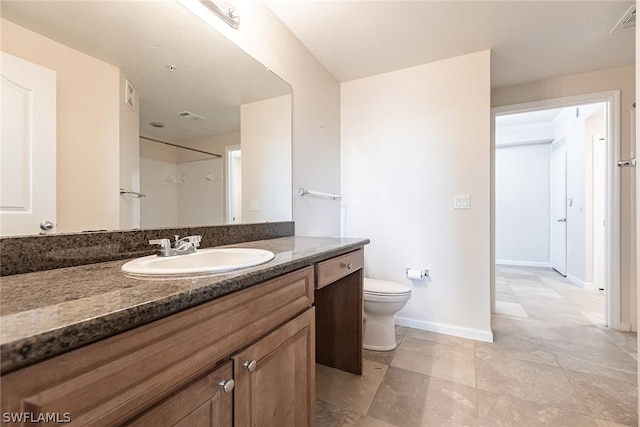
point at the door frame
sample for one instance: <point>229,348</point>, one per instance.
<point>598,163</point>
<point>612,188</point>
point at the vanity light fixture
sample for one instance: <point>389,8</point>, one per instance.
<point>223,9</point>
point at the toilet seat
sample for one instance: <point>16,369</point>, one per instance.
<point>375,287</point>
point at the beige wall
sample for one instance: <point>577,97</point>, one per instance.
<point>87,131</point>
<point>315,110</point>
<point>637,146</point>
<point>405,156</point>
<point>265,132</point>
<point>622,79</point>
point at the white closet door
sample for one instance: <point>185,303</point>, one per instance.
<point>559,211</point>
<point>28,147</point>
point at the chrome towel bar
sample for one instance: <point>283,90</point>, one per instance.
<point>133,193</point>
<point>334,196</point>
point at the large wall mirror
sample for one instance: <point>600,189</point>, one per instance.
<point>160,120</point>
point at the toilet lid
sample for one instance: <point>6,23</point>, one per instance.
<point>383,287</point>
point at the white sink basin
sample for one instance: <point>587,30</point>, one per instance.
<point>205,261</point>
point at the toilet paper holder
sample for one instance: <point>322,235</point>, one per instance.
<point>416,273</point>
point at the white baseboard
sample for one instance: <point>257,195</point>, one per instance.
<point>621,326</point>
<point>523,263</point>
<point>578,282</point>
<point>474,334</point>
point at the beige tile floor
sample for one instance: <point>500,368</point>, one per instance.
<point>552,364</point>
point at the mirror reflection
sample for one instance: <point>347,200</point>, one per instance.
<point>132,76</point>
<point>180,186</point>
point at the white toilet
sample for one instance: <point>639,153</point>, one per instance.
<point>382,300</point>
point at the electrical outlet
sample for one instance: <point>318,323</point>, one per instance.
<point>461,201</point>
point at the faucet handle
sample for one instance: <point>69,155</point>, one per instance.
<point>195,240</point>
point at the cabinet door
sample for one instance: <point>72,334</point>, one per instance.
<point>275,377</point>
<point>205,402</point>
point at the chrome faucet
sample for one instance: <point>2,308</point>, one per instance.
<point>181,246</point>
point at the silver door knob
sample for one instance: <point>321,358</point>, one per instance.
<point>46,225</point>
<point>631,163</point>
<point>251,366</point>
<point>562,220</point>
<point>348,266</point>
<point>227,386</point>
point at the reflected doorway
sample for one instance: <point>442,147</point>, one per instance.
<point>234,184</point>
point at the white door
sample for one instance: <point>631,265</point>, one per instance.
<point>559,211</point>
<point>599,211</point>
<point>234,184</point>
<point>28,147</point>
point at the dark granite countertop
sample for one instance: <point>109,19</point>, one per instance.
<point>46,313</point>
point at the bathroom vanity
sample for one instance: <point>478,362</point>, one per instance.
<point>339,290</point>
<point>230,349</point>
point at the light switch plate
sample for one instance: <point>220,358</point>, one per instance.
<point>254,205</point>
<point>461,201</point>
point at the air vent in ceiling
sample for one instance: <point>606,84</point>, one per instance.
<point>627,22</point>
<point>190,115</point>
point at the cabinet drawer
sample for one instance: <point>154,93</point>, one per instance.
<point>336,268</point>
<point>111,381</point>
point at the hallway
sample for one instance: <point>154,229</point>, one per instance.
<point>552,363</point>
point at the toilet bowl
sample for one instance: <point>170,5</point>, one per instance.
<point>382,300</point>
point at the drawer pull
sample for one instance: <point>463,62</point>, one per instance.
<point>251,366</point>
<point>348,266</point>
<point>227,386</point>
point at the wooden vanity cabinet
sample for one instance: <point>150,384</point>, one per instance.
<point>174,371</point>
<point>266,385</point>
<point>168,372</point>
<point>339,304</point>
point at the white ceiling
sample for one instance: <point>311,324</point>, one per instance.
<point>212,76</point>
<point>529,40</point>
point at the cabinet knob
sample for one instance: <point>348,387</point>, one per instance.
<point>251,366</point>
<point>227,386</point>
<point>348,266</point>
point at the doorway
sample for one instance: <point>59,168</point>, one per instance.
<point>610,232</point>
<point>233,155</point>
